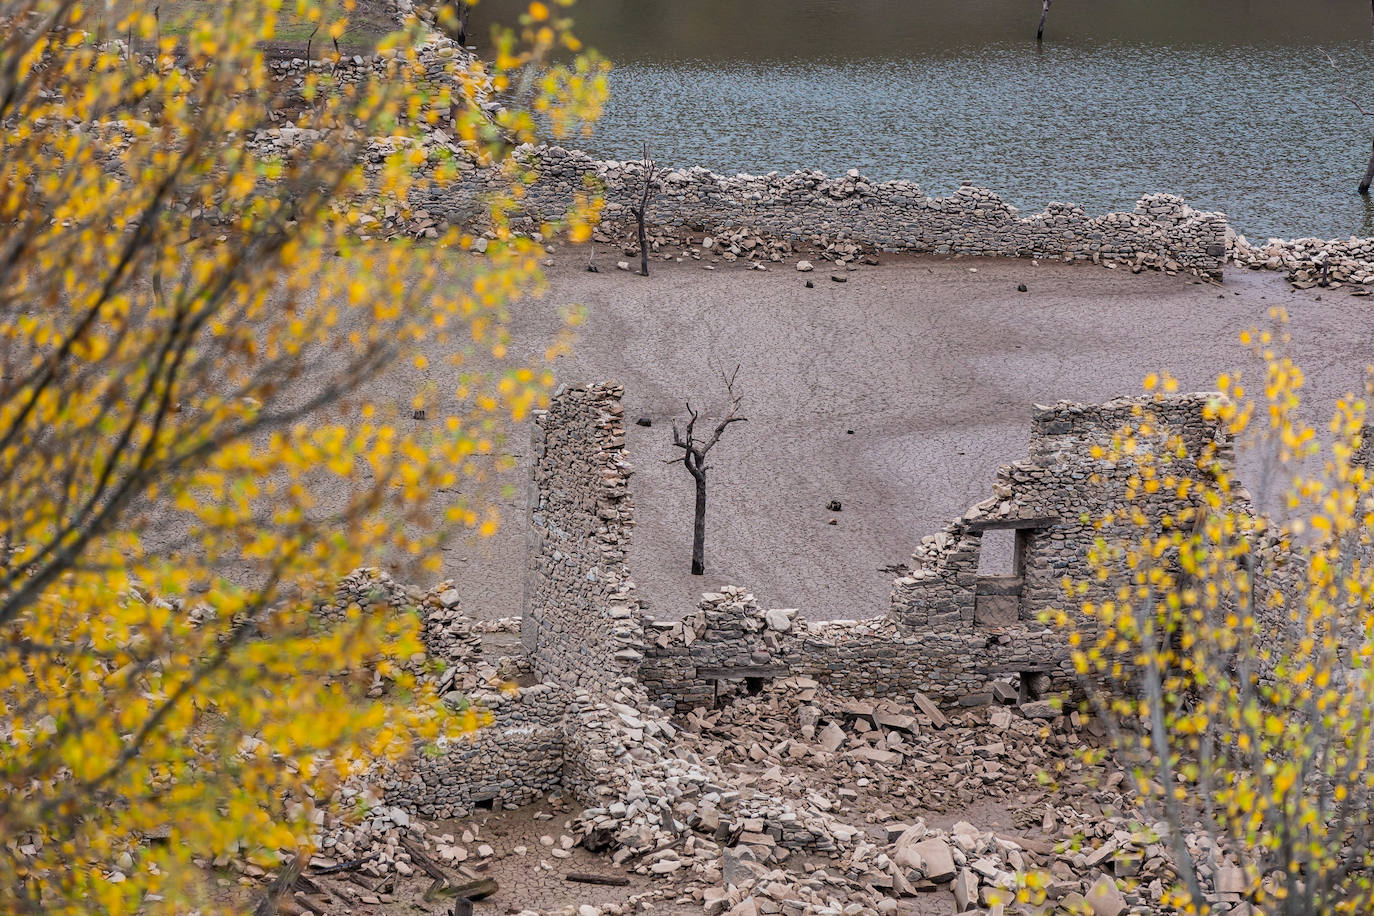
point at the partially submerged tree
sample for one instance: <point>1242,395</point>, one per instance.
<point>190,454</point>
<point>1044,14</point>
<point>1234,671</point>
<point>1349,96</point>
<point>694,453</point>
<point>453,16</point>
<point>641,209</point>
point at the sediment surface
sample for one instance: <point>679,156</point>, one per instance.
<point>932,362</point>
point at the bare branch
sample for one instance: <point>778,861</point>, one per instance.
<point>1346,92</point>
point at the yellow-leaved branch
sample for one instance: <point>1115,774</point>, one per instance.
<point>202,268</point>
<point>1231,665</point>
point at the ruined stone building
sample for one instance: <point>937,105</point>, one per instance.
<point>959,629</point>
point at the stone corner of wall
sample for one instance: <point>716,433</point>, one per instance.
<point>582,624</point>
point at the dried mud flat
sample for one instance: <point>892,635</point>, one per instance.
<point>898,393</point>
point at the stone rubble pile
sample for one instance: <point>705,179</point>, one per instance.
<point>793,800</point>
<point>450,635</point>
<point>1311,262</point>
<point>799,802</point>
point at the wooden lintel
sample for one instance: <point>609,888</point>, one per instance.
<point>1026,668</point>
<point>730,672</point>
<point>995,524</point>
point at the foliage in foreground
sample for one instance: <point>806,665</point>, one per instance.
<point>1234,667</point>
<point>188,457</point>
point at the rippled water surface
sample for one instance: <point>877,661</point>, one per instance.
<point>1230,103</point>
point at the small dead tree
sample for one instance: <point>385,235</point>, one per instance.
<point>1349,96</point>
<point>1044,14</point>
<point>650,167</point>
<point>694,459</point>
<point>453,19</point>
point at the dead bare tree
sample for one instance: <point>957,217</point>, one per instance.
<point>694,459</point>
<point>1348,95</point>
<point>453,19</point>
<point>649,168</point>
<point>1044,14</point>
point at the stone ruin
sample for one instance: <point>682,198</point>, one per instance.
<point>603,677</point>
<point>853,731</point>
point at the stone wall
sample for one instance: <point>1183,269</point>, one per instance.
<point>515,760</point>
<point>1309,262</point>
<point>952,635</point>
<point>952,632</point>
<point>581,626</point>
<point>1055,501</point>
<point>1364,452</point>
<point>805,206</point>
<point>890,215</point>
<point>714,654</point>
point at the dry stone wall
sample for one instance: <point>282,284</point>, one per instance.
<point>1054,500</point>
<point>596,727</point>
<point>806,206</point>
<point>892,215</point>
<point>1309,262</point>
<point>952,633</point>
<point>581,624</point>
<point>515,760</point>
<point>713,654</point>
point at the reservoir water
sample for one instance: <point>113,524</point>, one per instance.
<point>1230,103</point>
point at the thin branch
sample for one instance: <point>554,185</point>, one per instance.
<point>1346,92</point>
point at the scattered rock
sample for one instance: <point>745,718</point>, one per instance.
<point>1105,898</point>
<point>937,859</point>
<point>780,619</point>
<point>1041,709</point>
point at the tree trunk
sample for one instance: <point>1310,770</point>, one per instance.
<point>1044,14</point>
<point>699,528</point>
<point>464,10</point>
<point>643,242</point>
<point>1368,175</point>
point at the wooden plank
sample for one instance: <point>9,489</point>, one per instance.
<point>994,524</point>
<point>742,671</point>
<point>582,877</point>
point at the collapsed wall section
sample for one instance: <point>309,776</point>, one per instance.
<point>954,631</point>
<point>581,623</point>
<point>1074,488</point>
<point>893,215</point>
